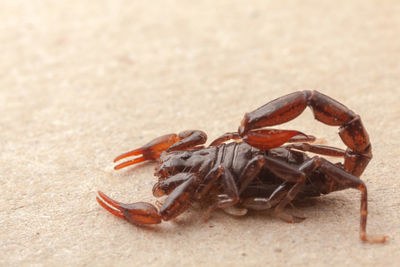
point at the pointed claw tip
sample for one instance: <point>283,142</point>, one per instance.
<point>120,157</point>
<point>122,165</point>
<point>109,204</point>
<point>98,194</point>
<point>134,152</point>
<point>118,167</point>
<point>130,162</point>
<point>300,133</point>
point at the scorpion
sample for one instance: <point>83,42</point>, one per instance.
<point>254,168</point>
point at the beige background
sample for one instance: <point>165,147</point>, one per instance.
<point>83,81</point>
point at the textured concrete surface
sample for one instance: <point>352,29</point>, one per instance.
<point>83,81</point>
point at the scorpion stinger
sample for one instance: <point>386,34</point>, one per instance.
<point>327,111</point>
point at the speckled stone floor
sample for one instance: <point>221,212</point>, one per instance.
<point>83,81</point>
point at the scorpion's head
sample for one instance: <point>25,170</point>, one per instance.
<point>177,166</point>
<point>175,162</point>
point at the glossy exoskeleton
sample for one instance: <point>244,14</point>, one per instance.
<point>262,168</point>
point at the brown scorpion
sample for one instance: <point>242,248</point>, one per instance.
<point>256,171</point>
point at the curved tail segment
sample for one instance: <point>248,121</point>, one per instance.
<point>327,111</point>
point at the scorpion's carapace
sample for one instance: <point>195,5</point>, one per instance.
<point>262,169</point>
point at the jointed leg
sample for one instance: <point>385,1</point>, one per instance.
<point>265,138</point>
<point>348,180</point>
<point>250,172</point>
<point>341,179</point>
<point>166,186</point>
<point>230,196</point>
<point>262,203</point>
<point>290,174</point>
<point>231,191</point>
<point>293,176</point>
<point>318,149</point>
<point>179,200</point>
<point>226,137</point>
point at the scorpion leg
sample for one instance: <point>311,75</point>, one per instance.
<point>265,138</point>
<point>250,172</point>
<point>340,176</point>
<point>209,181</point>
<point>292,175</point>
<point>232,192</point>
<point>318,149</point>
<point>166,186</point>
<point>152,150</point>
<point>275,137</point>
<point>230,196</point>
<point>301,138</point>
<point>226,137</point>
<point>179,199</point>
<point>326,110</point>
<point>262,203</point>
<point>346,179</point>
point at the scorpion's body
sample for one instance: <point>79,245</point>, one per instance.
<point>262,169</point>
<point>234,157</point>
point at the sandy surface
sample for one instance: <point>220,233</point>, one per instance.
<point>83,81</point>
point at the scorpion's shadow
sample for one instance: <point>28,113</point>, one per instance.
<point>308,208</point>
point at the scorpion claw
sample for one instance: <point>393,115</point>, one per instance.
<point>150,151</point>
<point>270,138</point>
<point>109,204</point>
<point>169,142</point>
<point>140,152</point>
<point>134,152</point>
<point>139,213</point>
<point>129,162</point>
